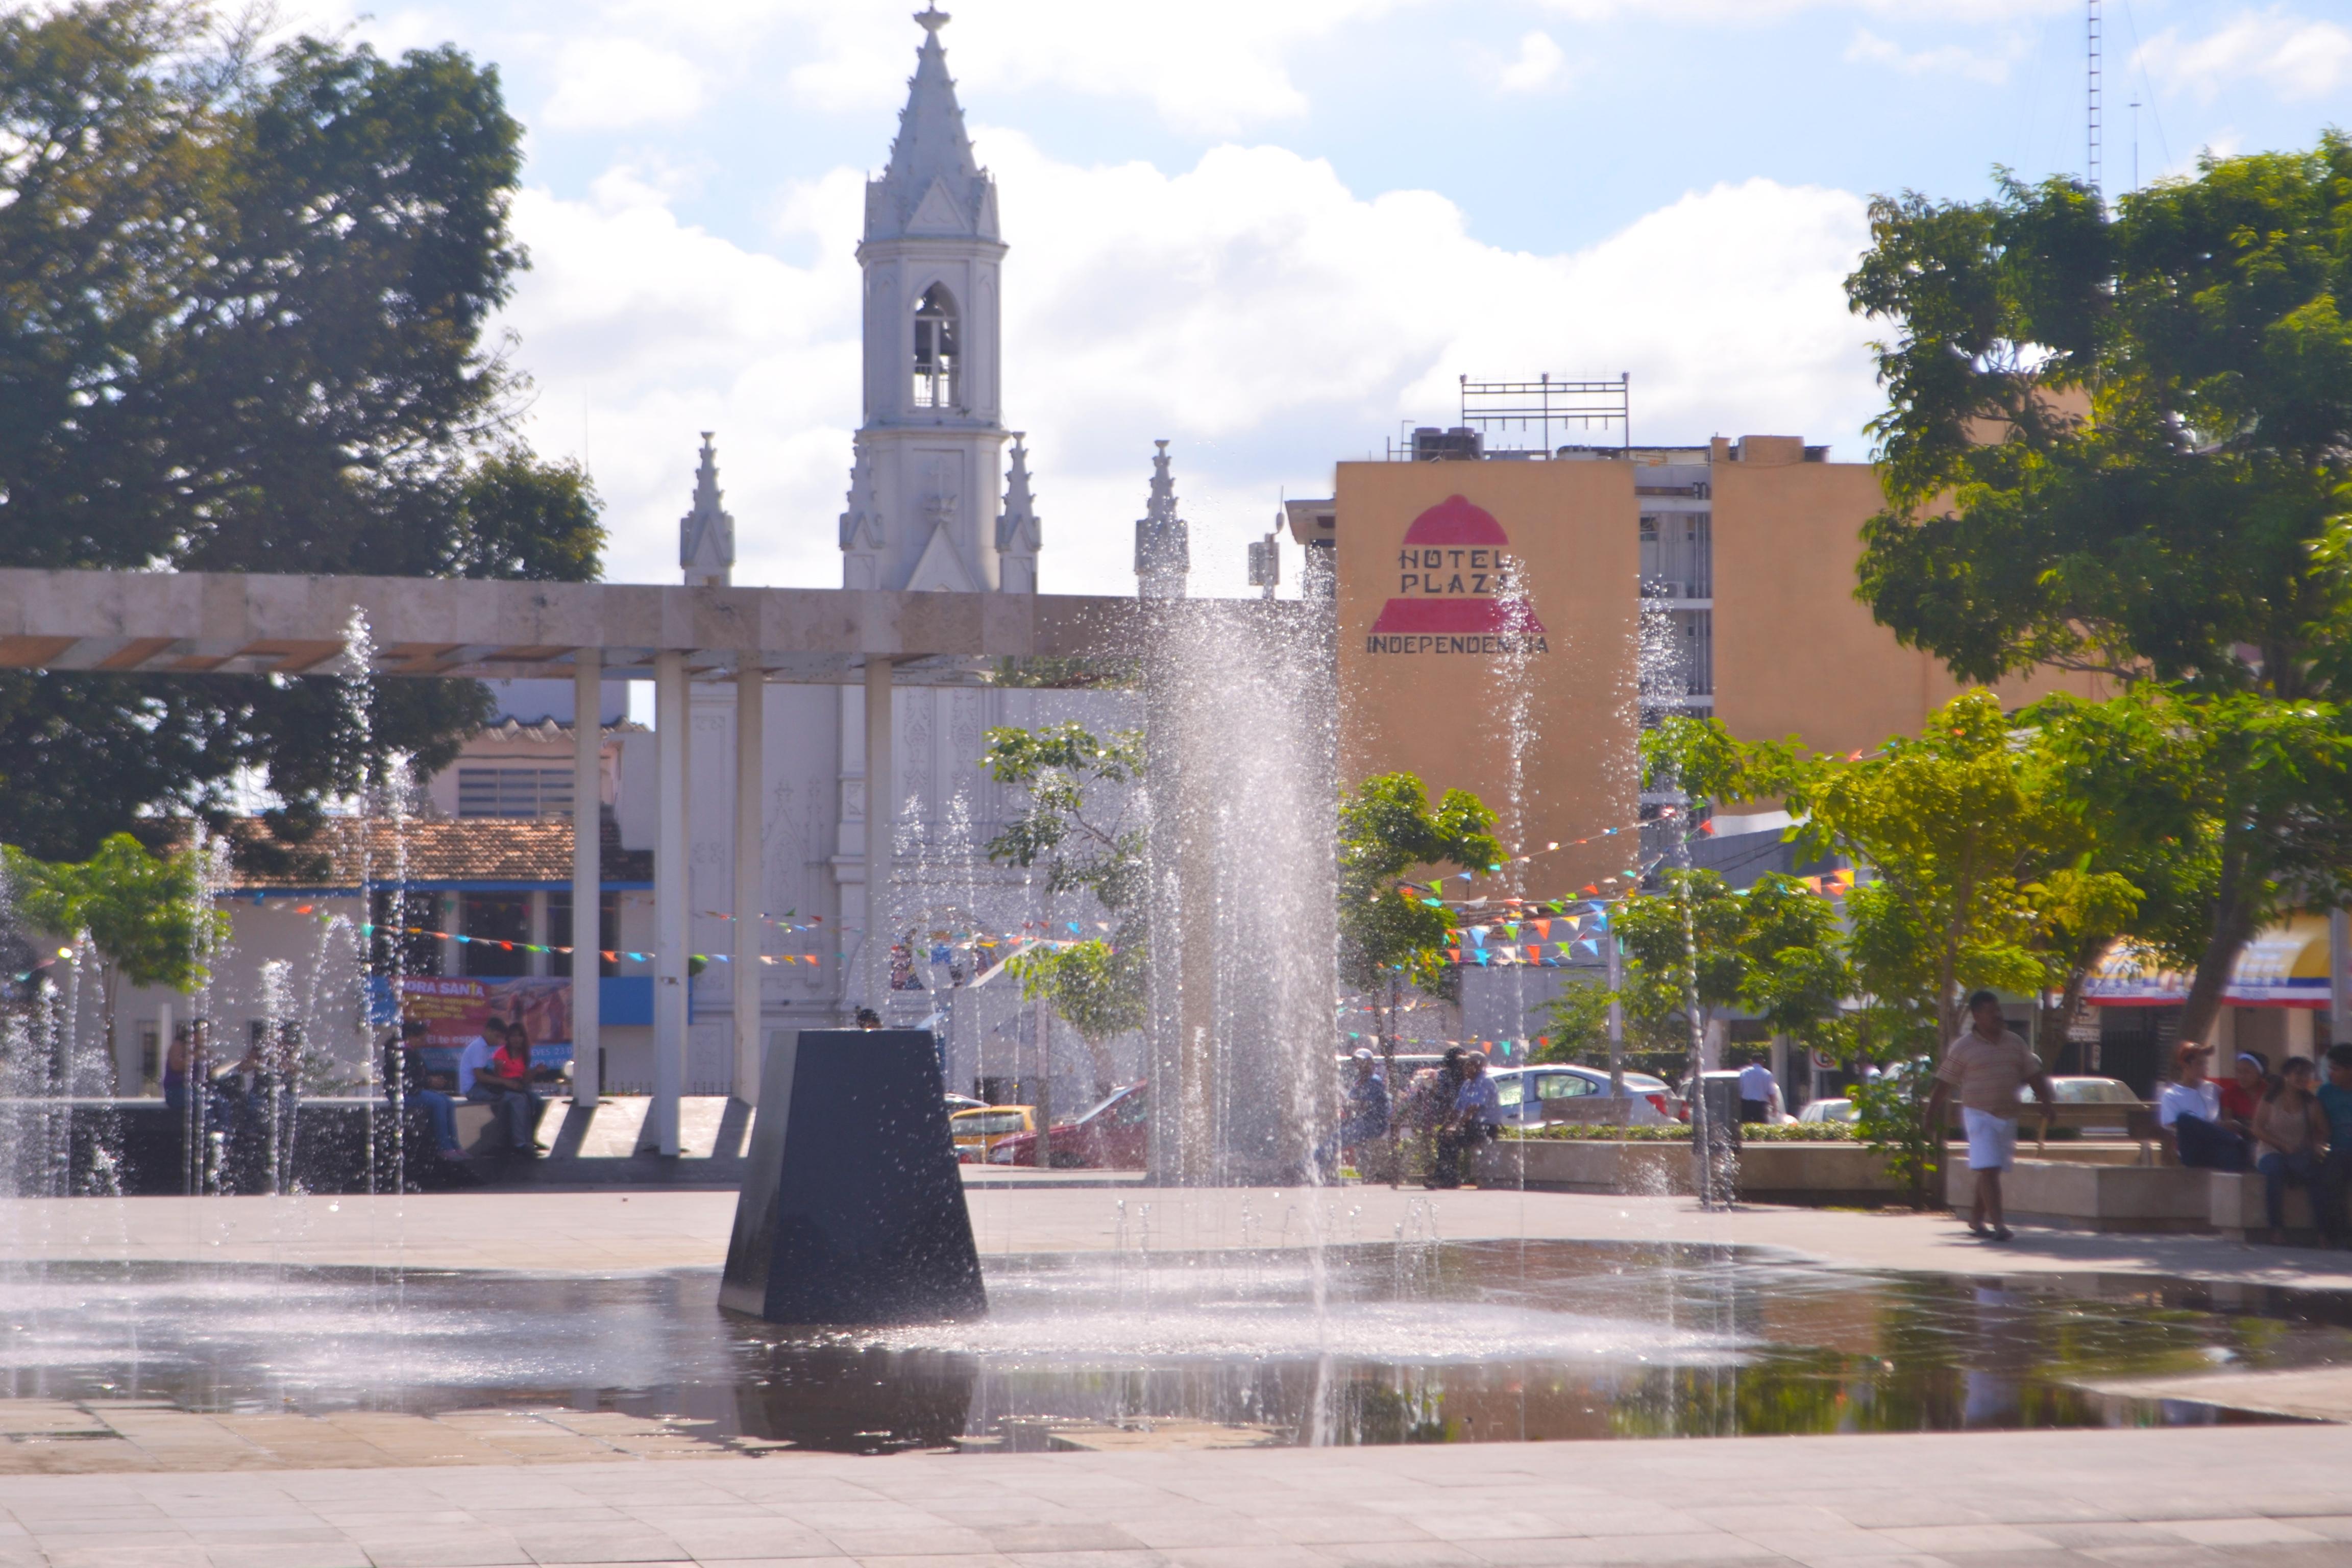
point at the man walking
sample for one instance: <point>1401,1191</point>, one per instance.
<point>1760,1094</point>
<point>1986,1067</point>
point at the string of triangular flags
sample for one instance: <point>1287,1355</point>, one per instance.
<point>1497,943</point>
<point>1504,1048</point>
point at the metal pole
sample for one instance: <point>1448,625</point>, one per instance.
<point>751,755</point>
<point>587,877</point>
<point>1616,1015</point>
<point>1045,1106</point>
<point>1396,1101</point>
<point>881,818</point>
<point>673,733</point>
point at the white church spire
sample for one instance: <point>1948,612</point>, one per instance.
<point>1163,549</point>
<point>930,452</point>
<point>706,535</point>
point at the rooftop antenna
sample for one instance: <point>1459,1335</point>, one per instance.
<point>2091,39</point>
<point>2135,109</point>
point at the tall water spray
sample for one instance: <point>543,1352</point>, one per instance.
<point>1239,731</point>
<point>1665,679</point>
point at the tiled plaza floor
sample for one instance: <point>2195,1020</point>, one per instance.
<point>607,1230</point>
<point>2277,1497</point>
<point>477,1488</point>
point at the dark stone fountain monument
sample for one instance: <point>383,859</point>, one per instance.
<point>852,1210</point>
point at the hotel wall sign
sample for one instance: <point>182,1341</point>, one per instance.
<point>1457,589</point>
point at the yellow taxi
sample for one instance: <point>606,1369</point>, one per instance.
<point>977,1131</point>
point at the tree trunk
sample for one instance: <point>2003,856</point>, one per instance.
<point>2233,926</point>
<point>1100,1051</point>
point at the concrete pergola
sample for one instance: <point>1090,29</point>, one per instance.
<point>220,623</point>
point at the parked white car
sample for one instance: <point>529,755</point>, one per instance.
<point>1821,1110</point>
<point>1524,1091</point>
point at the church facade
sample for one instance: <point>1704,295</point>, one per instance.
<point>938,500</point>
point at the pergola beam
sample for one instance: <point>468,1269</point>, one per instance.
<point>196,621</point>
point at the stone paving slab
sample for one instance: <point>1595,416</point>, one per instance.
<point>2197,1497</point>
<point>45,1437</point>
<point>605,1232</point>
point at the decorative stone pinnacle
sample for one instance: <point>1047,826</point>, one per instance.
<point>933,19</point>
<point>706,535</point>
<point>1163,555</point>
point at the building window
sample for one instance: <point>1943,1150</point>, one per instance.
<point>405,937</point>
<point>1697,628</point>
<point>1677,555</point>
<point>938,350</point>
<point>497,927</point>
<point>558,932</point>
<point>514,792</point>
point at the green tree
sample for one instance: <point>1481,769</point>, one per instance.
<point>2123,443</point>
<point>2233,809</point>
<point>2170,395</point>
<point>1097,987</point>
<point>1657,966</point>
<point>1990,863</point>
<point>142,913</point>
<point>1576,1024</point>
<point>1772,950</point>
<point>242,299</point>
<point>1076,824</point>
<point>1386,829</point>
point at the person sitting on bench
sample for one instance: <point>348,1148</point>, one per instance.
<point>2189,1110</point>
<point>500,1076</point>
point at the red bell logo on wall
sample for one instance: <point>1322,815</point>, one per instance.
<point>1455,576</point>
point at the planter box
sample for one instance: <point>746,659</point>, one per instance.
<point>1769,1173</point>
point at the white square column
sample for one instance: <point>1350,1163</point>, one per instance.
<point>587,875</point>
<point>673,737</point>
<point>750,780</point>
<point>2339,978</point>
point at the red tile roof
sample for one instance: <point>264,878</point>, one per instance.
<point>437,850</point>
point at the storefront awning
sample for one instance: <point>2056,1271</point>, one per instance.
<point>2285,966</point>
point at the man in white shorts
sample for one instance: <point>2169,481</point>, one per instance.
<point>1987,1065</point>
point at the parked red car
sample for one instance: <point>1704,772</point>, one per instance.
<point>1113,1136</point>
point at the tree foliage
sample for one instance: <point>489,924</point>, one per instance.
<point>1576,1024</point>
<point>243,293</point>
<point>2121,444</point>
<point>2231,811</point>
<point>1387,827</point>
<point>1076,824</point>
<point>143,913</point>
<point>1773,949</point>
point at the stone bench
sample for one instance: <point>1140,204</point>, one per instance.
<point>1773,1172</point>
<point>2082,1195</point>
<point>2237,1205</point>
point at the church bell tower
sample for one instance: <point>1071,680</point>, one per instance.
<point>924,508</point>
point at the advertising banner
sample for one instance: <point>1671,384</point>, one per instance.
<point>453,1011</point>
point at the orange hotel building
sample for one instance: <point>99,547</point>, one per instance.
<point>1507,620</point>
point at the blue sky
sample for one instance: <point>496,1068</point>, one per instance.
<point>1270,231</point>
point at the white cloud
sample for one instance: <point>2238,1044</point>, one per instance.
<point>1250,308</point>
<point>609,84</point>
<point>2299,57</point>
<point>1913,12</point>
<point>1947,59</point>
<point>1207,66</point>
<point>1538,64</point>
